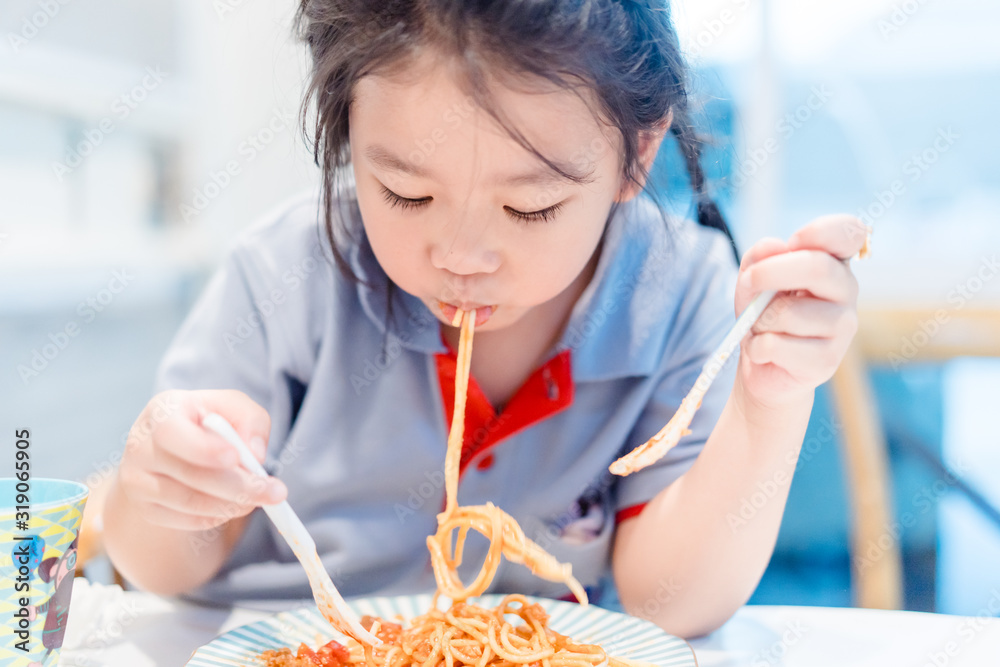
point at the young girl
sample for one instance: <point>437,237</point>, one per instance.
<point>487,156</point>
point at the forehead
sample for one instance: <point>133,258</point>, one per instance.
<point>424,111</point>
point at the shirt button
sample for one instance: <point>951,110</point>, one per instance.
<point>551,388</point>
<point>485,463</point>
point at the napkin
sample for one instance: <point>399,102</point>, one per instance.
<point>100,618</point>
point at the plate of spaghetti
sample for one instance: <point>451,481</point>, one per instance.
<point>572,635</point>
<point>428,631</point>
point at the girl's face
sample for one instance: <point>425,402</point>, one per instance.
<point>460,214</point>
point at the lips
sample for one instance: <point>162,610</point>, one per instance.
<point>450,311</point>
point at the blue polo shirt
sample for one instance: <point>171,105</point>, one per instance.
<point>359,401</point>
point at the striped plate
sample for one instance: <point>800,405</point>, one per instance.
<point>620,635</point>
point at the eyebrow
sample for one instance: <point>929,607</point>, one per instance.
<point>386,159</point>
<point>390,162</point>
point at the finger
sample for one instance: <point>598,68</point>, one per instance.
<point>160,409</point>
<point>161,515</point>
<point>232,484</point>
<point>187,440</point>
<point>806,316</point>
<point>251,421</point>
<point>187,500</point>
<point>800,357</point>
<point>840,235</point>
<point>764,248</point>
<point>818,272</point>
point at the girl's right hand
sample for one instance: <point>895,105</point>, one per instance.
<point>182,476</point>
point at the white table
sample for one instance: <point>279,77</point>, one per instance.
<point>114,628</point>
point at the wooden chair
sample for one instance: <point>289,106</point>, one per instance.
<point>891,337</point>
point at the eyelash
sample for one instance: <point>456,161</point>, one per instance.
<point>406,203</point>
<point>544,215</point>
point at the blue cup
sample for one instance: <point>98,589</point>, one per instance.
<point>39,533</point>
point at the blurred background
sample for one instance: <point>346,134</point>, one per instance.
<point>138,139</point>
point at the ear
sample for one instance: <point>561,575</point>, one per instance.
<point>649,145</point>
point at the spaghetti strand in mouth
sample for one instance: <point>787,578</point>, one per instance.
<point>454,314</point>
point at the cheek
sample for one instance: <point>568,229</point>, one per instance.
<point>396,241</point>
<point>399,247</point>
<point>549,261</point>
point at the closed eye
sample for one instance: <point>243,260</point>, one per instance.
<point>543,215</point>
<point>404,203</point>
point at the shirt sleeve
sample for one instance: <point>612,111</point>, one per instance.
<point>703,319</point>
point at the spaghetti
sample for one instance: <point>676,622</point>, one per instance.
<point>653,449</point>
<point>466,634</point>
<point>502,531</point>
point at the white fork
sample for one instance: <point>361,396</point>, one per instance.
<point>653,449</point>
<point>331,604</point>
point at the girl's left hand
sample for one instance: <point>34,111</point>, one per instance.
<point>801,337</point>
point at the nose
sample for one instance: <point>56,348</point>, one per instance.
<point>465,252</point>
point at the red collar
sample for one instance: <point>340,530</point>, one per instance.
<point>547,391</point>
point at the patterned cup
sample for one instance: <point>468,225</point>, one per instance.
<point>39,530</point>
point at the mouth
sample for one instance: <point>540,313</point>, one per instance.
<point>452,312</point>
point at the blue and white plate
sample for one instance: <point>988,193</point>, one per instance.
<point>620,635</point>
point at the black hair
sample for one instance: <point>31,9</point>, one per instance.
<point>626,51</point>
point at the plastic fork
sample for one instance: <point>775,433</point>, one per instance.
<point>329,601</point>
<point>653,449</point>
